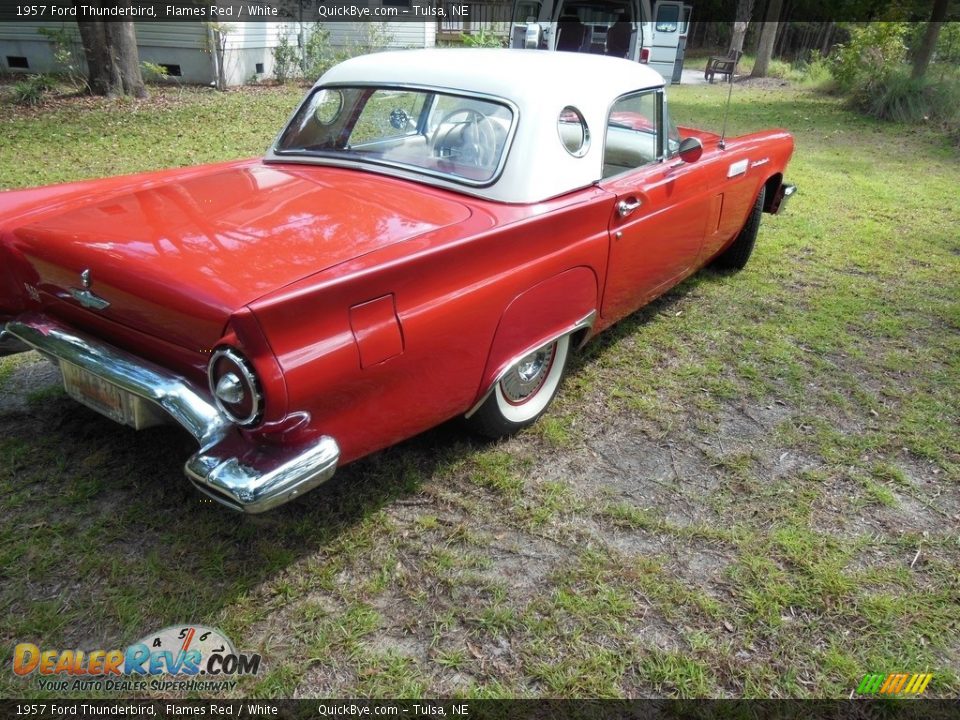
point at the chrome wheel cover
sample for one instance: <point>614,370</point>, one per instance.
<point>526,377</point>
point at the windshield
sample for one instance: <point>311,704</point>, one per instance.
<point>432,132</point>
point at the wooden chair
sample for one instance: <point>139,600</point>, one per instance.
<point>722,65</point>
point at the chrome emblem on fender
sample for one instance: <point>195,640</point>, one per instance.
<point>87,298</point>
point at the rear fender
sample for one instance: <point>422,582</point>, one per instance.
<point>561,305</point>
<point>13,286</point>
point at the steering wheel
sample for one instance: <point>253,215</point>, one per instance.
<point>471,141</point>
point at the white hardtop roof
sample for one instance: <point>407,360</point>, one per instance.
<point>539,83</point>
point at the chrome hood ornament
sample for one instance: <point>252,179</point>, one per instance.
<point>85,297</point>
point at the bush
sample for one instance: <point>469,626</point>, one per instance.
<point>285,59</point>
<point>875,50</point>
<point>33,89</point>
<point>816,74</point>
<point>482,39</point>
<point>154,71</point>
<point>900,98</point>
<point>318,55</point>
<point>67,52</point>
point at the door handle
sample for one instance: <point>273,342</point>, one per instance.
<point>625,207</point>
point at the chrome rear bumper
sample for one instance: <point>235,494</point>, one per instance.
<point>227,467</point>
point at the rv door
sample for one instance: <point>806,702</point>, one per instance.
<point>682,44</point>
<point>667,25</point>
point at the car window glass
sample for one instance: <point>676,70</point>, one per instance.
<point>668,17</point>
<point>632,133</point>
<point>327,106</point>
<point>526,11</point>
<point>388,114</point>
<point>573,131</point>
<point>423,130</point>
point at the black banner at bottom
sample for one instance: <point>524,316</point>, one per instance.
<point>488,709</point>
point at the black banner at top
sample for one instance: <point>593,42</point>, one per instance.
<point>467,12</point>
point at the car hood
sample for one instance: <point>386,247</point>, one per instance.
<point>177,257</point>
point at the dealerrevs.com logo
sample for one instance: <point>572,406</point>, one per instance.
<point>200,658</point>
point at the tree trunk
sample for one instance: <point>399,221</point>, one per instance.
<point>126,57</point>
<point>765,49</point>
<point>95,51</point>
<point>113,62</point>
<point>826,39</point>
<point>744,11</point>
<point>929,43</point>
<point>768,37</point>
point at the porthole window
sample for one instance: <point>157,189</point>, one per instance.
<point>327,106</point>
<point>574,133</point>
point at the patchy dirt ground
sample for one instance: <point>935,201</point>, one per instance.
<point>749,488</point>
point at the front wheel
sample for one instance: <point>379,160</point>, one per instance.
<point>524,392</point>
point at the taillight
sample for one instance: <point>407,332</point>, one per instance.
<point>645,55</point>
<point>235,387</point>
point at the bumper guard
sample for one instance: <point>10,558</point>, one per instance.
<point>782,197</point>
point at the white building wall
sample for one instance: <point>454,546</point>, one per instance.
<point>187,44</point>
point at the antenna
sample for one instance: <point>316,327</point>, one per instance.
<point>726,112</point>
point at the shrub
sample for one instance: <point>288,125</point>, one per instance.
<point>483,39</point>
<point>67,52</point>
<point>285,59</point>
<point>816,74</point>
<point>874,51</point>
<point>901,98</point>
<point>32,90</point>
<point>318,55</point>
<point>153,71</point>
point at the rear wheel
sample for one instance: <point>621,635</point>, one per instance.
<point>524,392</point>
<point>735,257</point>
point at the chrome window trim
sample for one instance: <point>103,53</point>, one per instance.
<point>660,142</point>
<point>585,145</point>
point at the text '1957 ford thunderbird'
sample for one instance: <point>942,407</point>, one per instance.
<point>431,236</point>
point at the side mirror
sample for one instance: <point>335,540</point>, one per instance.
<point>690,150</point>
<point>531,39</point>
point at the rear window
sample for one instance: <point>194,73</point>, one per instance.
<point>437,133</point>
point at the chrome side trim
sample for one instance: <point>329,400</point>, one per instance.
<point>228,467</point>
<point>585,323</point>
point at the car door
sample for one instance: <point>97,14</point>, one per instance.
<point>658,220</point>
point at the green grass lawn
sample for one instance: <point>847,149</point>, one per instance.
<point>749,488</point>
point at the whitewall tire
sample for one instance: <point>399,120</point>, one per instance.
<point>524,392</point>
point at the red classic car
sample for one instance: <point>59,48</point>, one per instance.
<point>431,236</point>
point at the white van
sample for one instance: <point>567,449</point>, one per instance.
<point>625,28</point>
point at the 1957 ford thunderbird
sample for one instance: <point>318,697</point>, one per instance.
<point>431,236</point>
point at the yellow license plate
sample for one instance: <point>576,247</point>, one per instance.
<point>97,394</point>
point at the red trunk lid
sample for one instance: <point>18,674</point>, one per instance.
<point>175,259</point>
